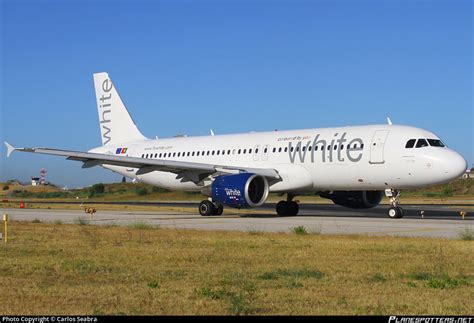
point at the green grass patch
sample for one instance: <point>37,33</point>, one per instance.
<point>378,278</point>
<point>467,234</point>
<point>299,230</point>
<point>153,284</point>
<point>443,281</point>
<point>286,273</point>
<point>142,225</point>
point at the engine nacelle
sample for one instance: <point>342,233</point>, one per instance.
<point>354,199</point>
<point>240,191</point>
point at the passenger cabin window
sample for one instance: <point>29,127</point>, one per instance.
<point>421,143</point>
<point>436,143</point>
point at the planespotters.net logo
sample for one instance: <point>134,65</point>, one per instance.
<point>405,319</point>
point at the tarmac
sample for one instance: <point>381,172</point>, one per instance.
<point>437,221</point>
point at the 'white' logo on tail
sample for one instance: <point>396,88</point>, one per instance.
<point>105,108</point>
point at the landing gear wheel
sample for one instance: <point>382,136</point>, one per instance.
<point>282,208</point>
<point>218,209</point>
<point>287,208</point>
<point>293,208</point>
<point>206,208</point>
<point>395,212</point>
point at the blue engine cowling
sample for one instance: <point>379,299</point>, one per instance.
<point>240,191</point>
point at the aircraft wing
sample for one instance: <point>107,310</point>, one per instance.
<point>187,171</point>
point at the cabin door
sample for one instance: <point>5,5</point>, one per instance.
<point>377,147</point>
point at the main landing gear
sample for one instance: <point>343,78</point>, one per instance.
<point>208,208</point>
<point>395,212</point>
<point>288,207</point>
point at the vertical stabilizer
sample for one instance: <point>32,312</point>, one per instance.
<point>116,124</point>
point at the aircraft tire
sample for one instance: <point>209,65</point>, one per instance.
<point>395,212</point>
<point>293,208</point>
<point>206,208</point>
<point>282,208</point>
<point>218,209</point>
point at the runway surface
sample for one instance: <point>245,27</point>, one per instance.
<point>441,221</point>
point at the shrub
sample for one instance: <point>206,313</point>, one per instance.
<point>140,191</point>
<point>156,189</point>
<point>96,189</point>
<point>6,187</point>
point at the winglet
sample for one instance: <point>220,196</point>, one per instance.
<point>10,149</point>
<point>389,121</point>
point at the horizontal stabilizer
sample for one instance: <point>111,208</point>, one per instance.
<point>10,149</point>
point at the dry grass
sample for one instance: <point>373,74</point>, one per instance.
<point>73,269</point>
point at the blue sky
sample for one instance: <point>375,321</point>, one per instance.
<point>183,67</point>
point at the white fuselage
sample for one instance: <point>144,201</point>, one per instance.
<point>370,157</point>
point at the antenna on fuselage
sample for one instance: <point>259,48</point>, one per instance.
<point>389,121</point>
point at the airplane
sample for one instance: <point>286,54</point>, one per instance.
<point>352,166</point>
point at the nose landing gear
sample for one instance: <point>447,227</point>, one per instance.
<point>395,212</point>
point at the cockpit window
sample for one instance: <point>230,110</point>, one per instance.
<point>421,143</point>
<point>436,143</point>
<point>410,143</point>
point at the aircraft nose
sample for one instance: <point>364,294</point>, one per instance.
<point>454,165</point>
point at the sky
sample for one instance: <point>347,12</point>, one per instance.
<point>184,67</point>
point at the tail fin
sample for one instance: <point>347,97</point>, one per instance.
<point>116,124</point>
